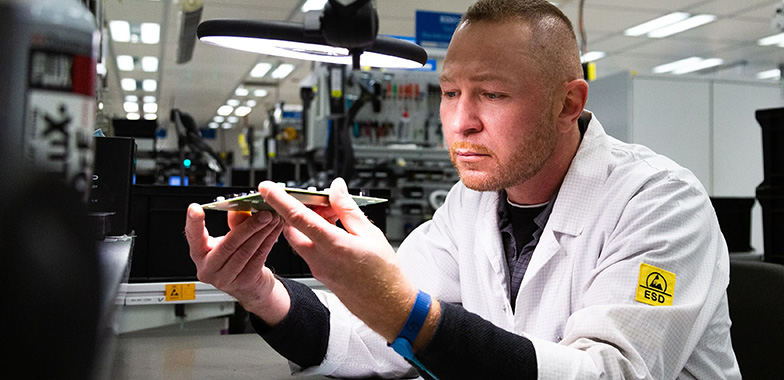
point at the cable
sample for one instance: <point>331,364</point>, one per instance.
<point>581,27</point>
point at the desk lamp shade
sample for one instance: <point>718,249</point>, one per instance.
<point>342,34</point>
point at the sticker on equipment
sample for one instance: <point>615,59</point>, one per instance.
<point>656,286</point>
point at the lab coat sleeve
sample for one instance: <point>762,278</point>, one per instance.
<point>669,224</point>
<point>354,350</point>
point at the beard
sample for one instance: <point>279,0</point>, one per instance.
<point>526,160</point>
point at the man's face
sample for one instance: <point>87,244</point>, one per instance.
<point>496,112</point>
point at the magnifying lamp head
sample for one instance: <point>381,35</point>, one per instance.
<point>342,34</point>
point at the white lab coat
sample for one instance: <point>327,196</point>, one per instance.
<point>619,205</point>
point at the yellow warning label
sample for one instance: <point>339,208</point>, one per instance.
<point>180,292</point>
<point>656,286</point>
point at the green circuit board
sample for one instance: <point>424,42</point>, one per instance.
<point>253,202</point>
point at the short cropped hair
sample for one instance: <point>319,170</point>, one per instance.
<point>554,42</point>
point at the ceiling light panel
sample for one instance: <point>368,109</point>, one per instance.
<point>150,107</point>
<point>657,23</point>
<point>688,65</point>
<point>702,65</point>
<point>128,84</point>
<point>670,24</point>
<point>282,71</point>
<point>769,74</point>
<point>242,111</point>
<point>150,64</point>
<point>150,85</point>
<point>776,39</point>
<point>668,67</point>
<point>124,31</point>
<point>682,26</point>
<point>150,33</point>
<point>592,56</point>
<point>131,107</point>
<point>241,91</point>
<point>225,110</point>
<point>120,30</point>
<point>125,63</point>
<point>260,69</point>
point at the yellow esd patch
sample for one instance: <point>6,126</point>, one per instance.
<point>656,286</point>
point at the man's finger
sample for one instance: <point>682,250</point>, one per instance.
<point>253,269</point>
<point>327,213</point>
<point>300,243</point>
<point>353,219</point>
<point>237,238</point>
<point>196,232</point>
<point>269,242</point>
<point>242,255</point>
<point>297,214</point>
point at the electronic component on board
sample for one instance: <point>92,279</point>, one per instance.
<point>252,200</point>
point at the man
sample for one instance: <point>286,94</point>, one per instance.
<point>561,254</point>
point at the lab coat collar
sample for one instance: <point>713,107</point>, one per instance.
<point>580,189</point>
<point>583,182</point>
<point>490,240</point>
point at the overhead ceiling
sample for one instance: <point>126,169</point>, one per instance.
<point>205,83</point>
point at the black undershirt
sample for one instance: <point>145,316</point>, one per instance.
<point>523,223</point>
<point>518,226</point>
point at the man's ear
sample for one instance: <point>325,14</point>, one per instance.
<point>573,103</point>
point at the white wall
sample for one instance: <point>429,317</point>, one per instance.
<point>737,143</point>
<point>706,125</point>
<point>673,118</point>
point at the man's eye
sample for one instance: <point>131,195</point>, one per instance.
<point>492,95</point>
<point>449,94</point>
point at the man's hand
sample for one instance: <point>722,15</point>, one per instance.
<point>235,263</point>
<point>357,264</point>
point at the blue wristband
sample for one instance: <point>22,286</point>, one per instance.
<point>403,343</point>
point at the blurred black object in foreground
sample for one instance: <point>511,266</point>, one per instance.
<point>49,276</point>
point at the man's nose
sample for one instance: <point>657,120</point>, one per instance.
<point>465,117</point>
